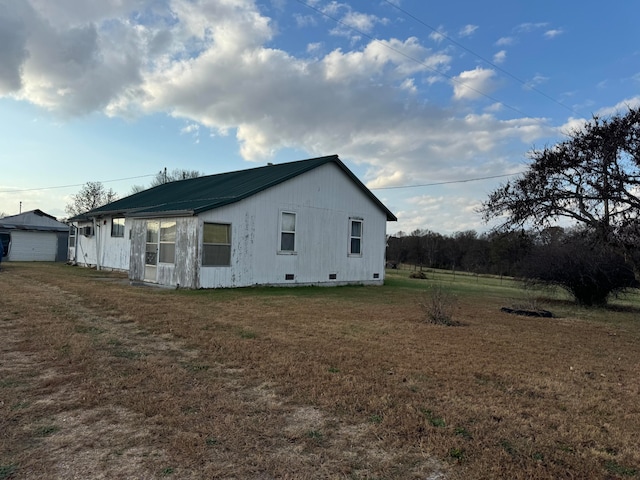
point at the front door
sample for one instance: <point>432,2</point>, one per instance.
<point>151,252</point>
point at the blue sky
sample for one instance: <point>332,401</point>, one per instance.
<point>407,92</point>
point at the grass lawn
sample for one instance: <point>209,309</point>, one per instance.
<point>100,379</point>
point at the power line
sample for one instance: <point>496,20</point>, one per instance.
<point>74,185</point>
<point>459,45</point>
<point>420,62</point>
<point>447,183</point>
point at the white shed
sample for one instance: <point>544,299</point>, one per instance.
<point>310,222</point>
<point>34,236</point>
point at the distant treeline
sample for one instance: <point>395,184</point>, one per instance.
<point>490,253</point>
<point>573,259</point>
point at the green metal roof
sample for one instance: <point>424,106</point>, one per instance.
<point>196,195</point>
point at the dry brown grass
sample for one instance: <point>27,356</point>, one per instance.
<point>99,379</point>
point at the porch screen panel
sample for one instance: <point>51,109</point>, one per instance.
<point>167,242</point>
<point>151,250</point>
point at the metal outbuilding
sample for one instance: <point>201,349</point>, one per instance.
<point>34,236</point>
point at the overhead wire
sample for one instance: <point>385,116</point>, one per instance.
<point>476,179</point>
<point>452,78</point>
<point>420,62</point>
<point>74,185</point>
<point>477,55</point>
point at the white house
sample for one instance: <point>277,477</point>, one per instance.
<point>34,236</point>
<point>310,222</point>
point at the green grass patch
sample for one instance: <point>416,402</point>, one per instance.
<point>456,453</point>
<point>614,467</point>
<point>7,471</point>
<point>20,405</point>
<point>433,419</point>
<point>46,430</point>
<point>315,435</point>
<point>90,329</point>
<point>463,432</point>
<point>191,367</point>
<point>375,419</point>
<point>508,447</point>
<point>10,383</point>
<point>247,334</point>
<point>165,472</point>
<point>127,353</point>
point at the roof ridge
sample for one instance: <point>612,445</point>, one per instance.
<point>195,195</point>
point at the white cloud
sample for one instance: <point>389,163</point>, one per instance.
<point>361,21</point>
<point>553,33</point>
<point>450,213</point>
<point>530,27</point>
<point>505,41</point>
<point>620,107</point>
<point>467,30</point>
<point>351,23</point>
<point>305,20</point>
<point>473,84</point>
<point>314,47</point>
<point>211,64</point>
<point>439,35</point>
<point>192,129</point>
<point>535,81</point>
<point>500,56</point>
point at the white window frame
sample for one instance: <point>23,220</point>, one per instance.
<point>73,236</point>
<point>352,237</point>
<point>164,243</point>
<point>118,231</point>
<point>228,225</point>
<point>281,231</point>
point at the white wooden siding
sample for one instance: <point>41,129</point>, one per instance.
<point>101,249</point>
<point>324,200</point>
<point>184,270</point>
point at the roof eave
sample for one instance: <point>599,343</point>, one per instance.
<point>162,214</point>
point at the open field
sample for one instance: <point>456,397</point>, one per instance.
<point>99,379</point>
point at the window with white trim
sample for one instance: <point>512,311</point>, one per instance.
<point>72,236</point>
<point>167,252</point>
<point>216,245</point>
<point>355,236</point>
<point>287,232</point>
<point>117,227</point>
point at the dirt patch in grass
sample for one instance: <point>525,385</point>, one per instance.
<point>99,379</point>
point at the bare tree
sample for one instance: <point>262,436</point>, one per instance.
<point>92,195</point>
<point>136,189</point>
<point>177,174</point>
